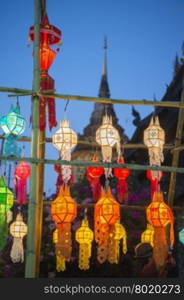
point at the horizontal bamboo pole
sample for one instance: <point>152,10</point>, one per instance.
<point>89,163</point>
<point>144,102</point>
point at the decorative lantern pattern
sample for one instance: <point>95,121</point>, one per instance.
<point>18,230</point>
<point>21,173</point>
<point>108,136</point>
<point>181,236</point>
<point>117,233</point>
<point>148,235</point>
<point>49,35</point>
<point>6,202</point>
<point>65,139</point>
<point>154,139</point>
<point>159,215</point>
<point>107,212</point>
<point>122,187</point>
<point>63,212</point>
<point>13,125</point>
<point>154,177</point>
<point>84,236</point>
<point>93,176</point>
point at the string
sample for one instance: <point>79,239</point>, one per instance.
<point>65,108</point>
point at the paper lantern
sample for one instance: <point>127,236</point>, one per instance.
<point>108,136</point>
<point>154,139</point>
<point>159,215</point>
<point>18,230</point>
<point>13,124</point>
<point>122,187</point>
<point>93,176</point>
<point>117,233</point>
<point>60,260</point>
<point>107,212</point>
<point>6,202</point>
<point>181,236</point>
<point>84,236</point>
<point>154,177</point>
<point>47,56</point>
<point>148,235</point>
<point>65,139</point>
<point>21,173</point>
<point>63,212</point>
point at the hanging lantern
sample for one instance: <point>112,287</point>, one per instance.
<point>181,236</point>
<point>6,202</point>
<point>59,181</point>
<point>18,230</point>
<point>154,139</point>
<point>84,236</point>
<point>13,125</point>
<point>63,212</point>
<point>117,233</point>
<point>107,212</point>
<point>60,260</point>
<point>21,173</point>
<point>93,176</point>
<point>108,136</point>
<point>159,215</point>
<point>49,35</point>
<point>122,187</point>
<point>154,176</point>
<point>148,235</point>
<point>65,139</point>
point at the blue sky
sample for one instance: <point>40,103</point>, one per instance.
<point>143,38</point>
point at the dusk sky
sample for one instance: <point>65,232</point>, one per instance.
<point>143,39</point>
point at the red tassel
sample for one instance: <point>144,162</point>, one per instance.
<point>122,191</point>
<point>95,185</point>
<point>59,181</point>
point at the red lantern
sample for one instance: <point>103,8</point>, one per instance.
<point>122,187</point>
<point>93,176</point>
<point>154,177</point>
<point>47,56</point>
<point>21,173</point>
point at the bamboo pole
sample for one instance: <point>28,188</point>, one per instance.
<point>178,141</point>
<point>23,92</point>
<point>31,255</point>
<point>89,163</point>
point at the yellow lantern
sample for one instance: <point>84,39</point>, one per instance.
<point>118,233</point>
<point>18,230</point>
<point>154,139</point>
<point>84,236</point>
<point>60,259</point>
<point>108,136</point>
<point>148,235</point>
<point>65,139</point>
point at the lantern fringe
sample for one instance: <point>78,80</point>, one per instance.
<point>122,191</point>
<point>20,187</point>
<point>60,263</point>
<point>17,251</point>
<point>84,256</point>
<point>160,249</point>
<point>3,231</point>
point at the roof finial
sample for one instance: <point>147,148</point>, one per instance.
<point>105,42</point>
<point>104,70</point>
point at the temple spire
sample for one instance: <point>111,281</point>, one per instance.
<point>104,91</point>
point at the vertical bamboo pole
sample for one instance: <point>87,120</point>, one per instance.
<point>33,235</point>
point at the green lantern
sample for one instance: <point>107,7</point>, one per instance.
<point>181,236</point>
<point>6,202</point>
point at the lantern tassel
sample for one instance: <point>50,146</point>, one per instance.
<point>84,256</point>
<point>122,191</point>
<point>160,249</point>
<point>17,251</point>
<point>21,190</point>
<point>60,263</point>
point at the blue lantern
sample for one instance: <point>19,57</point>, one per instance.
<point>13,124</point>
<point>181,236</point>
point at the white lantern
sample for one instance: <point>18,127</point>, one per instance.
<point>18,230</point>
<point>154,139</point>
<point>65,139</point>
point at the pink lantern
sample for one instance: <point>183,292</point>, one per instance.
<point>21,173</point>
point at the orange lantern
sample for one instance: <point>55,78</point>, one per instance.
<point>107,212</point>
<point>159,215</point>
<point>63,212</point>
<point>93,176</point>
<point>122,187</point>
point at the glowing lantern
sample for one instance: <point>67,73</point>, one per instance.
<point>84,236</point>
<point>154,139</point>
<point>117,233</point>
<point>159,215</point>
<point>18,230</point>
<point>107,212</point>
<point>93,176</point>
<point>65,139</point>
<point>181,236</point>
<point>122,187</point>
<point>154,177</point>
<point>13,124</point>
<point>63,212</point>
<point>108,136</point>
<point>148,235</point>
<point>6,202</point>
<point>21,173</point>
